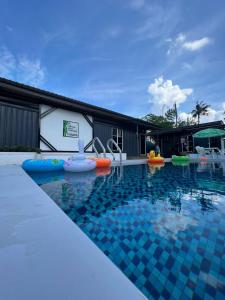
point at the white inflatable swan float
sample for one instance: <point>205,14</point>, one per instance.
<point>78,162</point>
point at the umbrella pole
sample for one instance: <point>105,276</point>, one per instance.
<point>222,145</point>
<point>209,143</point>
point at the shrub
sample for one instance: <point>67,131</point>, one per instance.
<point>19,148</point>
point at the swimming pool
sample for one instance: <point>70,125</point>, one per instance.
<point>163,227</point>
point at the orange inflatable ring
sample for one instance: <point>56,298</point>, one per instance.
<point>103,171</point>
<point>203,158</point>
<point>102,162</point>
<point>156,160</point>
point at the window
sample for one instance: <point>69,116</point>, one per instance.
<point>117,135</point>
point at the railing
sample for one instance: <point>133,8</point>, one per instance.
<point>117,147</point>
<point>96,139</point>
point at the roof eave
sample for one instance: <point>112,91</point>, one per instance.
<point>40,96</point>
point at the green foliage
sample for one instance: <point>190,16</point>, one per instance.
<point>201,109</point>
<point>188,122</point>
<point>171,115</point>
<point>158,120</point>
<point>170,120</point>
<point>19,148</point>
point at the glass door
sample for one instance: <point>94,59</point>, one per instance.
<point>117,135</point>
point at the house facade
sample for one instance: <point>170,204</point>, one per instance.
<point>35,118</point>
<point>180,140</point>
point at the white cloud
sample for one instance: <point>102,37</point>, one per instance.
<point>196,44</point>
<point>21,68</point>
<point>30,71</point>
<point>113,32</point>
<point>100,91</point>
<point>213,115</point>
<point>180,38</point>
<point>185,116</point>
<point>7,62</point>
<point>157,22</point>
<point>181,42</point>
<point>165,93</point>
<point>137,4</point>
<point>9,28</point>
<point>66,34</point>
<point>186,66</point>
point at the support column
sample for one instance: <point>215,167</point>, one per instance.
<point>138,146</point>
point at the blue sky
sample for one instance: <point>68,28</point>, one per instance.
<point>131,56</point>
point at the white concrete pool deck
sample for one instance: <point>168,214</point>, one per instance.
<point>44,255</point>
<point>130,162</point>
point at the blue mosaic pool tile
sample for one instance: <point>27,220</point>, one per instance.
<point>165,231</point>
<point>176,293</point>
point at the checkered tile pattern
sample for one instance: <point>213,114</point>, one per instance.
<point>165,229</point>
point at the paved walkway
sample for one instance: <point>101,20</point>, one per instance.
<point>44,255</point>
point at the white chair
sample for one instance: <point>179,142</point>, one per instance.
<point>200,150</point>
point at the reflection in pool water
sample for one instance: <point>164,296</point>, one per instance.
<point>164,228</point>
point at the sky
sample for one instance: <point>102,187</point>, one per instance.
<point>131,56</point>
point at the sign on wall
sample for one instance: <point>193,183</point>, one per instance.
<point>70,129</point>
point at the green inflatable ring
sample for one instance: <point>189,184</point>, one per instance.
<point>183,158</point>
<point>180,163</point>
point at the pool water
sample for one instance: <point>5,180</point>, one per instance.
<point>163,227</point>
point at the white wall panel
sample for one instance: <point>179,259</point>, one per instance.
<point>51,128</point>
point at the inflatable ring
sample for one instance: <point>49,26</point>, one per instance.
<point>79,165</point>
<point>203,158</point>
<point>102,162</point>
<point>43,165</point>
<point>156,160</point>
<point>183,158</point>
<point>103,171</point>
<point>180,163</point>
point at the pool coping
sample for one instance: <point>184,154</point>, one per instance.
<point>132,162</point>
<point>44,255</point>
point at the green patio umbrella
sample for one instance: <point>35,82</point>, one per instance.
<point>209,133</point>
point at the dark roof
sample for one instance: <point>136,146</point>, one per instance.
<point>29,94</point>
<point>193,128</point>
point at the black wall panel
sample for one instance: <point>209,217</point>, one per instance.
<point>19,125</point>
<point>130,143</point>
<point>104,132</point>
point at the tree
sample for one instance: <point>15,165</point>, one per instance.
<point>158,120</point>
<point>172,116</point>
<point>187,122</point>
<point>201,109</point>
<point>176,113</point>
<point>170,120</point>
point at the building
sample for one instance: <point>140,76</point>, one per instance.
<point>180,141</point>
<point>35,118</point>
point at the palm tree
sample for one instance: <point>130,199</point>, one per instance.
<point>201,109</point>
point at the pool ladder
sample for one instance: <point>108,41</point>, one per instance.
<point>96,139</point>
<point>109,142</point>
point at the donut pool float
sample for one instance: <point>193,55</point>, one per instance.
<point>103,171</point>
<point>43,165</point>
<point>176,158</point>
<point>156,160</point>
<point>79,165</point>
<point>203,158</point>
<point>102,162</point>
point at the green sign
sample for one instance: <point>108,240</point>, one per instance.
<point>70,129</point>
